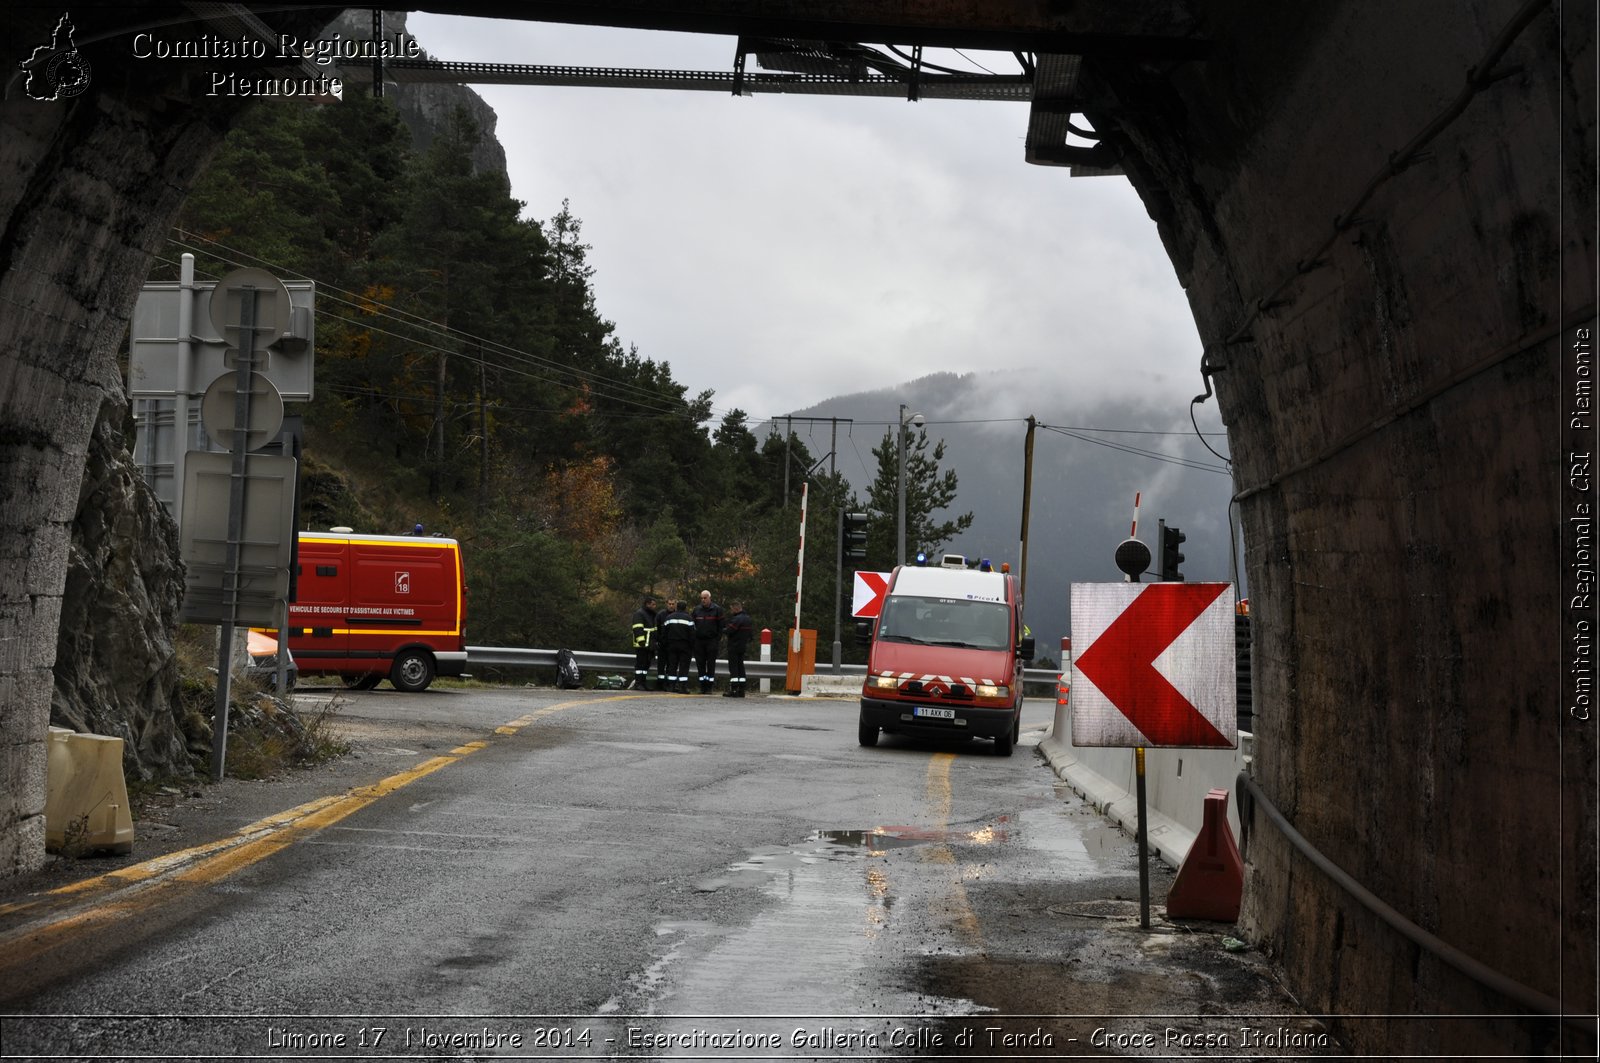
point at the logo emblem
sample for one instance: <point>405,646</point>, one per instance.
<point>57,71</point>
<point>402,583</point>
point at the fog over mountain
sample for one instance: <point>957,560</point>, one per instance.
<point>1083,491</point>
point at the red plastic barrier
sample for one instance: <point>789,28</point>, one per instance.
<point>1210,883</point>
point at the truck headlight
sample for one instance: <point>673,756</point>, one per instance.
<point>885,682</point>
<point>990,690</point>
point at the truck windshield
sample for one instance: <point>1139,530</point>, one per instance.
<point>946,622</point>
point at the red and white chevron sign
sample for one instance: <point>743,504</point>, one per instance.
<point>1157,667</point>
<point>870,590</point>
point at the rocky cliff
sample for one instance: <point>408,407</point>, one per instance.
<point>425,109</point>
<point>116,670</point>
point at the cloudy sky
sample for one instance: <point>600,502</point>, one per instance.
<point>782,249</point>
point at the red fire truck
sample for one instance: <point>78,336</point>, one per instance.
<point>375,607</point>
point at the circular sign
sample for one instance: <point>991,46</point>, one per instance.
<point>273,312</point>
<point>219,408</point>
<point>1133,557</point>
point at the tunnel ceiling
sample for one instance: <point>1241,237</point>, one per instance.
<point>1108,27</point>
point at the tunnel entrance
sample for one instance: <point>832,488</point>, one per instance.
<point>1389,254</point>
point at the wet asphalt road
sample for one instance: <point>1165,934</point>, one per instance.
<point>590,874</point>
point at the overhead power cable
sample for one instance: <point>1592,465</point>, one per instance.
<point>470,357</point>
<point>616,390</point>
<point>1154,455</point>
<point>620,391</point>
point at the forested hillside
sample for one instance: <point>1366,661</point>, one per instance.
<point>465,381</point>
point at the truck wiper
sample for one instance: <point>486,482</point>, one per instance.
<point>904,638</point>
<point>952,642</point>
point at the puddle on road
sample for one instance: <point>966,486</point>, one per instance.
<point>1046,831</point>
<point>858,903</point>
<point>1073,842</point>
<point>824,846</point>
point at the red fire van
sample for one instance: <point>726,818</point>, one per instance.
<point>947,656</point>
<point>370,607</point>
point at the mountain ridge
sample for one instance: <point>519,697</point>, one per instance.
<point>1082,500</point>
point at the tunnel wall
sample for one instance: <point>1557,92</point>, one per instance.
<point>89,186</point>
<point>1386,335</point>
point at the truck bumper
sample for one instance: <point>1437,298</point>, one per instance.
<point>900,717</point>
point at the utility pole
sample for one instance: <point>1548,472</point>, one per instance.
<point>1027,496</point>
<point>900,509</point>
<point>838,581</point>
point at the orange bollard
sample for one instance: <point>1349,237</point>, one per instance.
<point>1210,883</point>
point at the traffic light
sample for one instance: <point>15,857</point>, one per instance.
<point>853,540</point>
<point>1171,558</point>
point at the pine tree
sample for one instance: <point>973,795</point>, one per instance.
<point>928,491</point>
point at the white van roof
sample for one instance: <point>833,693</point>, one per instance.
<point>410,540</point>
<point>950,583</point>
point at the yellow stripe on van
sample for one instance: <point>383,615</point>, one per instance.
<point>417,544</point>
<point>385,631</point>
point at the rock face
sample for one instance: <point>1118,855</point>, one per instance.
<point>116,668</point>
<point>424,108</point>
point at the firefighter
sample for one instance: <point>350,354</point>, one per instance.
<point>739,628</point>
<point>644,650</point>
<point>661,645</point>
<point>707,633</point>
<point>677,635</point>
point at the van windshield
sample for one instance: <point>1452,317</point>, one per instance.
<point>946,622</point>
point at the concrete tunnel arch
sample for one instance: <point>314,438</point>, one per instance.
<point>1384,220</point>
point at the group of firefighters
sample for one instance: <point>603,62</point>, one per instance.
<point>668,637</point>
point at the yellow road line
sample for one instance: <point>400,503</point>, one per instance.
<point>959,907</point>
<point>141,886</point>
<point>538,714</point>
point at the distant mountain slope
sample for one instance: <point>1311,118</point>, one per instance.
<point>1083,492</point>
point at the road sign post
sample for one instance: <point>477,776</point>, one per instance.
<point>251,308</point>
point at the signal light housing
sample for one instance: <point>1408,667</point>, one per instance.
<point>1171,557</point>
<point>853,540</point>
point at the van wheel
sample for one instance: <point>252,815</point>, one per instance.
<point>867,733</point>
<point>1004,744</point>
<point>361,682</point>
<point>412,671</point>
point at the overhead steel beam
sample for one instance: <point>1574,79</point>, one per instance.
<point>1162,30</point>
<point>1005,88</point>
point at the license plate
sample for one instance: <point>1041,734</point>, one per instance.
<point>935,714</point>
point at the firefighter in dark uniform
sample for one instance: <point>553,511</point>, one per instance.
<point>644,638</point>
<point>707,633</point>
<point>677,635</point>
<point>739,628</point>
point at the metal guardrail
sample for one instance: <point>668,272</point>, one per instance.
<point>591,660</point>
<point>622,664</point>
